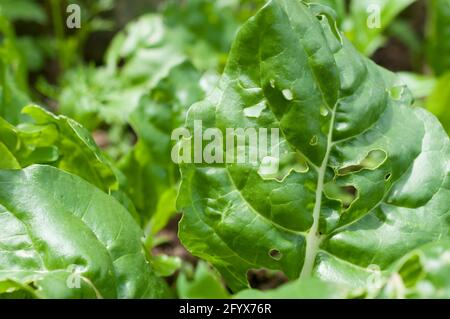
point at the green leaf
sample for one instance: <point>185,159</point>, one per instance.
<point>150,51</point>
<point>367,20</point>
<point>197,32</point>
<point>126,202</point>
<point>345,124</point>
<point>76,151</point>
<point>33,53</point>
<point>148,168</point>
<point>59,231</point>
<point>362,28</point>
<point>205,283</point>
<point>206,28</point>
<point>12,98</point>
<point>58,141</point>
<point>165,209</point>
<point>421,86</point>
<point>8,141</point>
<point>438,101</point>
<point>7,160</point>
<point>24,10</point>
<point>438,35</point>
<point>94,96</point>
<point>336,5</point>
<point>310,288</point>
<point>111,94</point>
<point>166,266</point>
<point>423,273</point>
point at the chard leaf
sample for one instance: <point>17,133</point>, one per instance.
<point>12,99</point>
<point>64,238</point>
<point>8,142</point>
<point>423,273</point>
<point>421,86</point>
<point>59,141</point>
<point>7,160</point>
<point>339,6</point>
<point>204,283</point>
<point>148,168</point>
<point>311,288</point>
<point>374,178</point>
<point>364,31</point>
<point>366,20</point>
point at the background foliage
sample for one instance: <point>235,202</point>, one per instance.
<point>86,116</point>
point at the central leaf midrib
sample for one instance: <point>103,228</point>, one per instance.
<point>313,238</point>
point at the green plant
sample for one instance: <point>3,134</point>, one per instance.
<point>366,21</point>
<point>431,90</point>
<point>69,235</point>
<point>154,69</point>
<point>438,38</point>
<point>359,207</point>
<point>438,34</point>
<point>353,196</point>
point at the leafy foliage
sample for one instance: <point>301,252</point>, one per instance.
<point>62,142</point>
<point>46,243</point>
<point>26,10</point>
<point>365,21</point>
<point>439,35</point>
<point>155,68</point>
<point>205,283</point>
<point>310,288</point>
<point>88,190</point>
<point>439,100</point>
<point>367,137</point>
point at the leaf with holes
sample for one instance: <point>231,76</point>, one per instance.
<point>365,21</point>
<point>63,238</point>
<point>363,176</point>
<point>423,273</point>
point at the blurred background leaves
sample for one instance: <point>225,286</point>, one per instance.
<point>131,71</point>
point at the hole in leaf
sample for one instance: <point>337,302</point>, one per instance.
<point>372,161</point>
<point>349,194</point>
<point>264,279</point>
<point>121,63</point>
<point>387,176</point>
<point>33,285</point>
<point>275,254</point>
<point>272,83</point>
<point>345,194</point>
<point>396,92</point>
<point>278,169</point>
<point>314,140</point>
<point>255,110</point>
<point>411,271</point>
<point>288,95</point>
<point>324,110</point>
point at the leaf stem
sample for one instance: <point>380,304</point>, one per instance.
<point>314,238</point>
<point>58,26</point>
